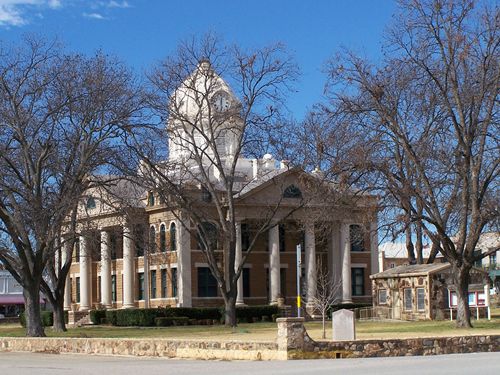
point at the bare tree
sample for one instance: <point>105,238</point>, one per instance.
<point>61,116</point>
<point>211,123</point>
<point>327,293</point>
<point>431,107</point>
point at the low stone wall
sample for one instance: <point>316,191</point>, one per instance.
<point>294,340</point>
<point>151,347</point>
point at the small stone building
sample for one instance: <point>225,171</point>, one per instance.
<point>425,292</point>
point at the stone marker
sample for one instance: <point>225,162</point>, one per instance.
<point>343,325</point>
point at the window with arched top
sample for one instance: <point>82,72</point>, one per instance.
<point>292,191</point>
<point>163,238</point>
<point>90,203</point>
<point>152,239</point>
<point>151,199</point>
<point>357,235</point>
<point>173,237</point>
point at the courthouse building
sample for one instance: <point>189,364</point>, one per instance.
<point>146,256</point>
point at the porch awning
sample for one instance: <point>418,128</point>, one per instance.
<point>14,299</point>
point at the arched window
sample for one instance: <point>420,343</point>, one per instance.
<point>90,203</point>
<point>356,235</point>
<point>292,191</point>
<point>152,239</point>
<point>173,238</point>
<point>163,238</point>
<point>151,199</point>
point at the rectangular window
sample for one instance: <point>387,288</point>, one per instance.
<point>408,303</point>
<point>207,285</point>
<point>153,283</point>
<point>77,290</point>
<point>164,283</point>
<point>113,288</point>
<point>382,296</point>
<point>478,263</point>
<point>472,299</point>
<point>281,231</point>
<point>493,260</point>
<point>283,282</point>
<point>174,282</point>
<point>246,282</point>
<point>420,299</point>
<point>140,286</point>
<point>245,237</point>
<point>112,241</point>
<point>358,281</point>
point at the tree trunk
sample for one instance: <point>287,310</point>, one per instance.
<point>34,326</point>
<point>324,325</point>
<point>59,322</point>
<point>461,276</point>
<point>230,311</point>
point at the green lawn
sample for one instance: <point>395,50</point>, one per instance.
<point>267,331</point>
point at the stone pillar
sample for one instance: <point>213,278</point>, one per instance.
<point>85,268</point>
<point>292,336</point>
<point>57,256</point>
<point>345,247</point>
<point>274,265</point>
<point>128,268</point>
<point>375,266</point>
<point>310,248</point>
<point>237,260</point>
<point>183,264</point>
<point>67,253</point>
<point>105,270</point>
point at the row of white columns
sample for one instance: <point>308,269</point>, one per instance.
<point>184,266</point>
<point>183,260</point>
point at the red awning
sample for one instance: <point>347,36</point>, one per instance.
<point>14,299</point>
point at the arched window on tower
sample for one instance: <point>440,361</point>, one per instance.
<point>90,203</point>
<point>356,235</point>
<point>173,237</point>
<point>163,238</point>
<point>292,191</point>
<point>152,239</point>
<point>151,199</point>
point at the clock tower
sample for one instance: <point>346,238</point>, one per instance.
<point>204,117</point>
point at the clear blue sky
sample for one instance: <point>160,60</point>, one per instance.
<point>141,32</point>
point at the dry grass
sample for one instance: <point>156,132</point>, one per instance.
<point>267,331</point>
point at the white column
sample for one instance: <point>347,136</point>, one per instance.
<point>183,264</point>
<point>274,264</point>
<point>57,256</point>
<point>375,266</point>
<point>237,261</point>
<point>85,264</point>
<point>67,286</point>
<point>310,248</point>
<point>345,247</point>
<point>128,268</point>
<point>105,270</point>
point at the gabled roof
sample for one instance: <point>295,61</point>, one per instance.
<point>264,180</point>
<point>411,270</point>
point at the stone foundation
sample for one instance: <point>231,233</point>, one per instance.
<point>227,350</point>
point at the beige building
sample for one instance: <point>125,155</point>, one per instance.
<point>148,255</point>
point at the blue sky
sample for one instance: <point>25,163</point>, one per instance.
<point>141,32</point>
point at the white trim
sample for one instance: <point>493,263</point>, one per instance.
<point>282,265</point>
<point>203,265</point>
<point>164,266</point>
<point>359,265</point>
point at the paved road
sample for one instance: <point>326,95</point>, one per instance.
<point>50,364</point>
